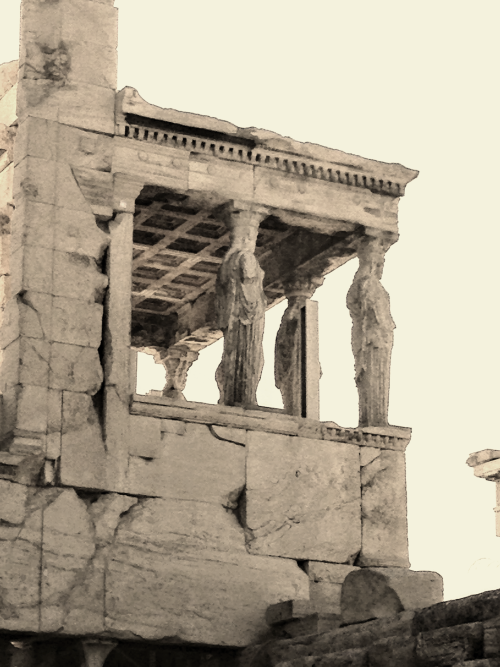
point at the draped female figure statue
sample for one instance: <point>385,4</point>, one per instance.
<point>241,303</point>
<point>372,333</point>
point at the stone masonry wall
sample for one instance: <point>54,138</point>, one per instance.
<point>126,525</point>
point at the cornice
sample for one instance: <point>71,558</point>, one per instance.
<point>140,121</point>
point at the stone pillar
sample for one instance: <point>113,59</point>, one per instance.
<point>177,361</point>
<point>117,325</point>
<point>52,331</point>
<point>96,651</point>
<point>296,353</point>
<point>372,333</point>
<point>241,304</point>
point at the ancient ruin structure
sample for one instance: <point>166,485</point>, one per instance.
<point>150,530</point>
<point>486,464</point>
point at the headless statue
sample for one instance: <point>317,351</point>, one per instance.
<point>241,306</point>
<point>372,334</point>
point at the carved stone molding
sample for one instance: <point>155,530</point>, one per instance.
<point>126,189</point>
<point>240,306</point>
<point>372,332</point>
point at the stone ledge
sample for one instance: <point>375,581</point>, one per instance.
<point>271,421</point>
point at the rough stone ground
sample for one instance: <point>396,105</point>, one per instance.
<point>457,633</point>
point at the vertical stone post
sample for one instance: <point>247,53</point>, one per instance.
<point>117,325</point>
<point>372,333</point>
<point>296,360</point>
<point>241,305</point>
<point>96,651</point>
<point>65,108</point>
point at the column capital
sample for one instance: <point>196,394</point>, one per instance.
<point>126,189</point>
<point>302,284</point>
<point>237,212</point>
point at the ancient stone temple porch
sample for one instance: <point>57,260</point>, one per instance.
<point>151,528</point>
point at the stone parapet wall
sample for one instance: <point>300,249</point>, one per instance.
<point>219,523</point>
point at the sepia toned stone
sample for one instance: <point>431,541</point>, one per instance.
<point>76,322</point>
<point>67,549</point>
<point>450,645</point>
<point>197,547</point>
<point>154,519</point>
<point>292,484</point>
<point>8,107</point>
<point>13,499</point>
<point>287,611</point>
<point>83,453</point>
<point>31,269</point>
<point>28,314</point>
<point>75,368</point>
<point>240,303</point>
<point>372,333</point>
<point>145,437</point>
<point>176,472</point>
<point>483,456</point>
<point>8,76</point>
<point>177,361</point>
<point>384,592</point>
<point>78,277</point>
<point>291,369</point>
<point>384,539</point>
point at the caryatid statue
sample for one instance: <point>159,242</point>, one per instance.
<point>241,304</point>
<point>372,333</point>
<point>288,350</point>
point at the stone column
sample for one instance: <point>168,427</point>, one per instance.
<point>118,318</point>
<point>296,353</point>
<point>96,651</point>
<point>372,333</point>
<point>177,361</point>
<point>241,304</point>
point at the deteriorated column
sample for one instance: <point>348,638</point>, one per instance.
<point>177,361</point>
<point>372,333</point>
<point>296,352</point>
<point>241,305</point>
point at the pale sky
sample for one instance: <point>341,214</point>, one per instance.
<point>395,81</point>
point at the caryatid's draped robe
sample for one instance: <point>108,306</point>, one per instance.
<point>241,306</point>
<point>372,334</point>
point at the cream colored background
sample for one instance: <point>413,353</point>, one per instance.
<point>397,81</point>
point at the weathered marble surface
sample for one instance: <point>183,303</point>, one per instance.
<point>325,585</point>
<point>180,569</point>
<point>384,539</point>
<point>302,498</point>
<point>192,465</point>
<point>384,592</point>
<point>292,343</point>
<point>240,304</point>
<point>151,569</point>
<point>372,333</point>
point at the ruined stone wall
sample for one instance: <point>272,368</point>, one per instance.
<point>133,519</point>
